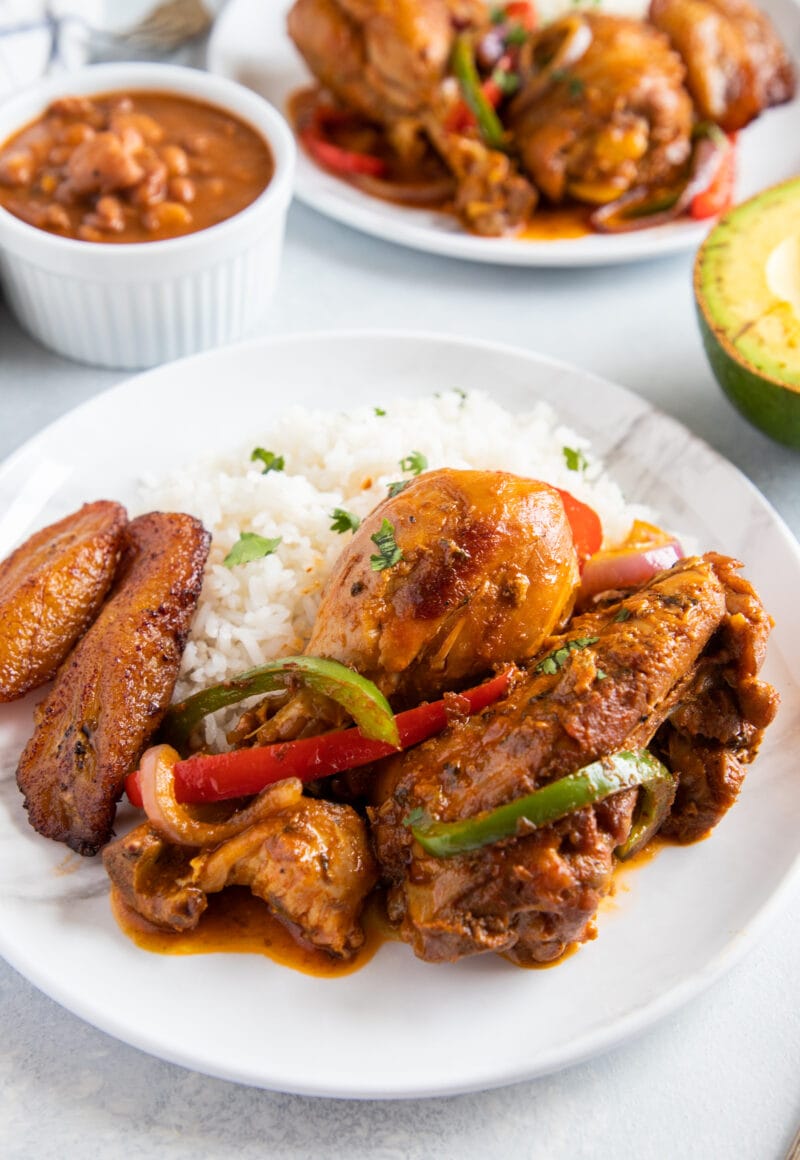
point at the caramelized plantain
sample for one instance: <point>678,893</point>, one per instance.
<point>113,690</point>
<point>51,589</point>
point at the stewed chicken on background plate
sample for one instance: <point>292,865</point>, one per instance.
<point>612,116</point>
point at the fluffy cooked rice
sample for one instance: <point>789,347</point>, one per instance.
<point>254,612</point>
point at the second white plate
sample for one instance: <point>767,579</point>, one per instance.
<point>250,44</point>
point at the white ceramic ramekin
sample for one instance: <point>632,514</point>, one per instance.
<point>136,305</point>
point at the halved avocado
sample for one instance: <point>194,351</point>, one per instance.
<point>747,289</point>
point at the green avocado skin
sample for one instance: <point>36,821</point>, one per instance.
<point>732,261</point>
<point>775,409</point>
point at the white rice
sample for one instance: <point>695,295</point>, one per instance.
<point>254,612</point>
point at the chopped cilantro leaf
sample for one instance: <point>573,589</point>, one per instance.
<point>414,463</point>
<point>554,660</point>
<point>601,675</point>
<point>388,552</point>
<point>344,521</point>
<point>379,411</point>
<point>548,665</point>
<point>271,461</point>
<point>507,82</point>
<point>575,459</point>
<point>415,817</point>
<point>250,546</point>
<point>623,615</point>
<point>398,486</point>
<point>574,84</point>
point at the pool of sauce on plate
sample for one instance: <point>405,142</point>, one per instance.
<point>238,922</point>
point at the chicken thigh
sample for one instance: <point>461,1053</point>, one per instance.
<point>613,115</point>
<point>309,860</point>
<point>691,636</point>
<point>486,570</point>
<point>736,63</point>
<point>388,60</point>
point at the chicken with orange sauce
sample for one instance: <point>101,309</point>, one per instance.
<point>592,108</point>
<point>474,570</point>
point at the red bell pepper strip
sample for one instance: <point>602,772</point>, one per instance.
<point>521,12</point>
<point>718,195</point>
<point>243,772</point>
<point>587,531</point>
<point>335,157</point>
<point>461,117</point>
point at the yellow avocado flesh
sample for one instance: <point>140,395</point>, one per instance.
<point>747,286</point>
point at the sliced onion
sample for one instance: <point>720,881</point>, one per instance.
<point>630,212</point>
<point>576,36</point>
<point>646,552</point>
<point>182,824</point>
<point>431,192</point>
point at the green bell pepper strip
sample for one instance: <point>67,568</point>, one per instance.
<point>587,786</point>
<point>465,69</point>
<point>362,699</point>
<point>655,799</point>
<point>216,777</point>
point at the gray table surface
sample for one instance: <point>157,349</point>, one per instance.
<point>721,1078</point>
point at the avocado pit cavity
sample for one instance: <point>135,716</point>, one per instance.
<point>782,271</point>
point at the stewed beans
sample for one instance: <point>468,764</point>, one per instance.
<point>132,167</point>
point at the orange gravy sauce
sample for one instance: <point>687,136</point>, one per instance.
<point>236,921</point>
<point>552,225</point>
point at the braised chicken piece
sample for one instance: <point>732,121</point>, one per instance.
<point>388,60</point>
<point>154,877</point>
<point>485,569</point>
<point>612,115</point>
<point>735,61</point>
<point>491,195</point>
<point>716,730</point>
<point>114,688</point>
<point>309,860</point>
<point>384,58</point>
<point>51,589</point>
<point>694,632</point>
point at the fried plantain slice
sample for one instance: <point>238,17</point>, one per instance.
<point>51,589</point>
<point>114,688</point>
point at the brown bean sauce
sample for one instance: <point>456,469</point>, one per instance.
<point>132,167</point>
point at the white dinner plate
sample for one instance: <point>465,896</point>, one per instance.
<point>250,44</point>
<point>399,1027</point>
